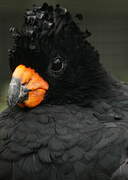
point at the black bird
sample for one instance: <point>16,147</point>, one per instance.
<point>67,117</point>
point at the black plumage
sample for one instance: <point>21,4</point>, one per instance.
<point>80,130</point>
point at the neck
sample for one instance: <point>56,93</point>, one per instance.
<point>87,90</point>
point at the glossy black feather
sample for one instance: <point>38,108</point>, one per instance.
<point>80,131</point>
<point>61,142</point>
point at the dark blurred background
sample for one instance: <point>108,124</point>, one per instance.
<point>106,19</point>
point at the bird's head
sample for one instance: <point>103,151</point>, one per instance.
<point>51,60</point>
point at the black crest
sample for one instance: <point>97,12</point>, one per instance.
<point>45,21</point>
<point>46,28</point>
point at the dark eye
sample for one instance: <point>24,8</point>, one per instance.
<point>57,65</point>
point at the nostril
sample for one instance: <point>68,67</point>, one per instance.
<point>26,82</point>
<point>23,84</point>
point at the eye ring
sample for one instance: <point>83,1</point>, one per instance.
<point>57,65</point>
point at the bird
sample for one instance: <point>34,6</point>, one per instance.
<point>67,117</point>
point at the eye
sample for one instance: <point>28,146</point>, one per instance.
<point>57,65</point>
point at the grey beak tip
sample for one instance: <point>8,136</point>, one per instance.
<point>16,93</point>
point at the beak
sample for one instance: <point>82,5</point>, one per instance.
<point>27,88</point>
<point>17,92</point>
